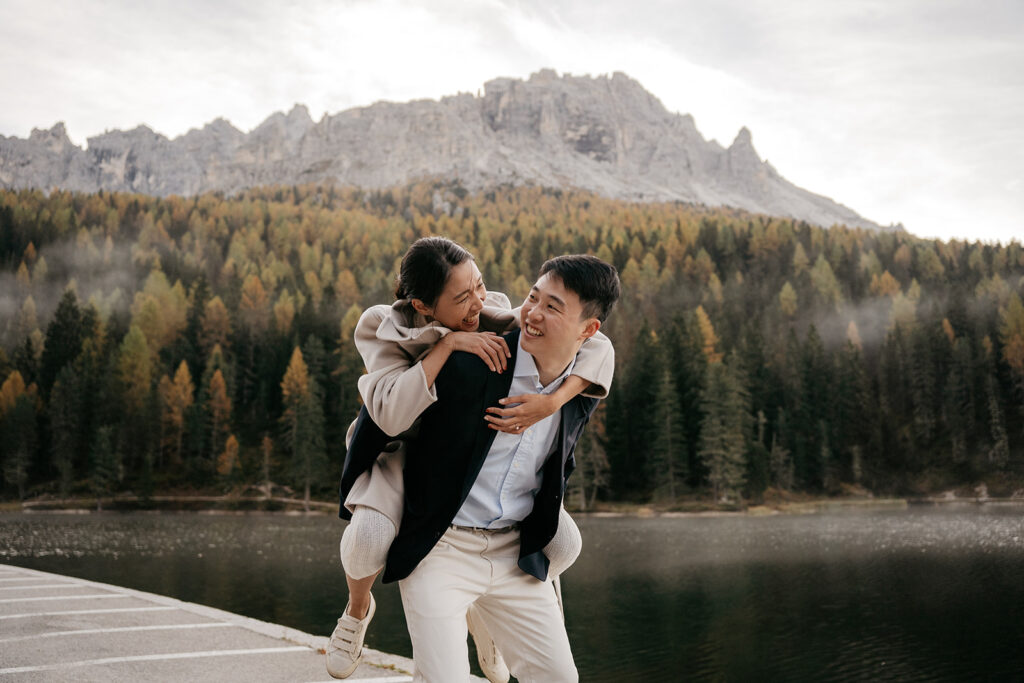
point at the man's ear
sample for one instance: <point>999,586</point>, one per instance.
<point>422,308</point>
<point>593,325</point>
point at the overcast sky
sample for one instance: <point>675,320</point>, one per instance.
<point>906,111</point>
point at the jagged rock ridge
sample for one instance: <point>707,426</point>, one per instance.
<point>605,134</point>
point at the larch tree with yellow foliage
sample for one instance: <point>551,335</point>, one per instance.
<point>177,396</point>
<point>303,422</point>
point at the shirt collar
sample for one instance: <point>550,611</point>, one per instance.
<point>527,367</point>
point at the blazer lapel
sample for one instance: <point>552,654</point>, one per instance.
<point>496,387</point>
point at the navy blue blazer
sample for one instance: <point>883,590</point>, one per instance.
<point>443,461</point>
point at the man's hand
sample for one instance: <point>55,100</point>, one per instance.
<point>532,409</point>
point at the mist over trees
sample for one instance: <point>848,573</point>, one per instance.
<point>206,343</point>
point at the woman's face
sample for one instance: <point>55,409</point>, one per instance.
<point>458,307</point>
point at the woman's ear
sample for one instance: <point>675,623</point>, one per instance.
<point>422,308</point>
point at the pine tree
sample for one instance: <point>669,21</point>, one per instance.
<point>65,417</point>
<point>106,465</point>
<point>19,438</point>
<point>999,454</point>
<point>667,459</point>
<point>780,461</point>
<point>592,468</point>
<point>722,437</point>
<point>631,421</point>
<point>64,337</point>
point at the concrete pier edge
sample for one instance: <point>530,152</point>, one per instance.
<point>376,658</point>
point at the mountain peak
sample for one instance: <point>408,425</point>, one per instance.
<point>743,138</point>
<point>54,139</point>
<point>604,134</point>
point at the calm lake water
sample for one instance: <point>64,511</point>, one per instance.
<point>916,595</point>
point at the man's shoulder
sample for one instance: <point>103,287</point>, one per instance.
<point>467,371</point>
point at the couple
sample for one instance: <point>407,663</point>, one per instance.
<point>458,499</point>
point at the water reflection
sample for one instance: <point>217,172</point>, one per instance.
<point>908,595</point>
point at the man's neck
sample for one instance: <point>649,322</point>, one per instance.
<point>549,369</point>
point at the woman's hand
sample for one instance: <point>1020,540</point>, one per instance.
<point>489,346</point>
<point>532,409</point>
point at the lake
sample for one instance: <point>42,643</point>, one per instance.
<point>925,594</point>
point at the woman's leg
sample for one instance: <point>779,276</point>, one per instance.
<point>364,549</point>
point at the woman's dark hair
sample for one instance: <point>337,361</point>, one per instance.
<point>426,267</point>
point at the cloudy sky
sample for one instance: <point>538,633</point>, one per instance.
<point>907,111</point>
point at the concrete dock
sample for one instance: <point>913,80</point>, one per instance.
<point>59,628</point>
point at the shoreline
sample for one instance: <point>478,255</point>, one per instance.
<point>235,505</point>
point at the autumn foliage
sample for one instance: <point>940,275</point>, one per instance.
<point>208,340</point>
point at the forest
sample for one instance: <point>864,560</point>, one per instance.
<point>204,344</point>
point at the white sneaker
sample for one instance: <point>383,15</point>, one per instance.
<point>487,654</point>
<point>345,649</point>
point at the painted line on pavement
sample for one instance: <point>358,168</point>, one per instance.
<point>98,596</point>
<point>371,657</point>
<point>87,611</point>
<point>47,585</point>
<point>153,658</point>
<point>119,629</point>
<point>21,578</point>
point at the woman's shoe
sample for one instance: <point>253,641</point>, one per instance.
<point>345,648</point>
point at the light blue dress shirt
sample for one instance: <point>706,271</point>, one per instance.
<point>513,468</point>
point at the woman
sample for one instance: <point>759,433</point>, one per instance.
<point>442,306</point>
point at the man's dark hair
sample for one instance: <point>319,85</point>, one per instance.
<point>426,266</point>
<point>595,282</point>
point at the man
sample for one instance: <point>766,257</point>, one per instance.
<point>480,505</point>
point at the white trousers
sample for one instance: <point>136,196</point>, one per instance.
<point>479,568</point>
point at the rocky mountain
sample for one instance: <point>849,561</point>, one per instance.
<point>605,134</point>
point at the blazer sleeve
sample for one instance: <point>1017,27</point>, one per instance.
<point>394,388</point>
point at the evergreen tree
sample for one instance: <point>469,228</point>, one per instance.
<point>724,403</point>
<point>19,437</point>
<point>631,421</point>
<point>65,415</point>
<point>667,459</point>
<point>106,465</point>
<point>63,342</point>
<point>999,453</point>
<point>590,477</point>
<point>780,461</point>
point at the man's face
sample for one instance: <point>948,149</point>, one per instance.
<point>552,321</point>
